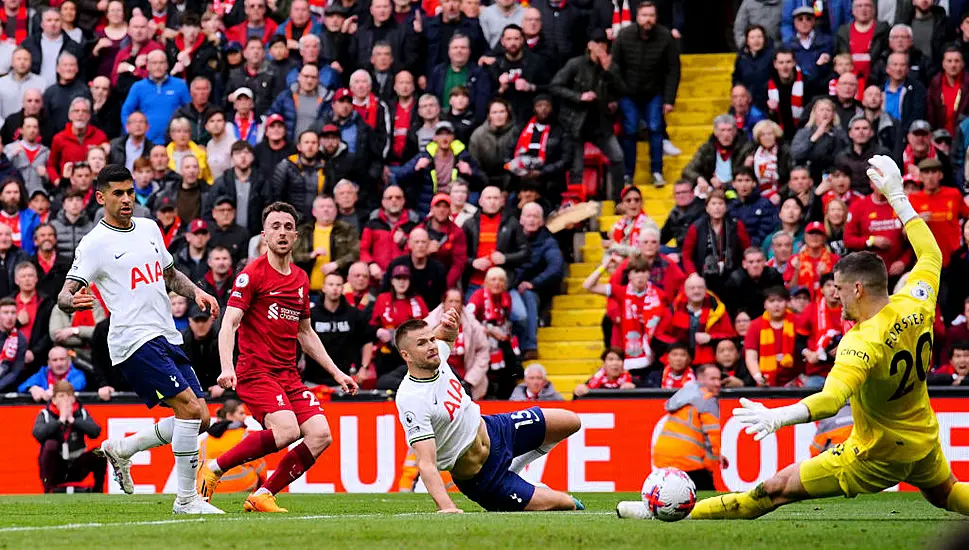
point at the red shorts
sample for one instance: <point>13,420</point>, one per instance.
<point>266,393</point>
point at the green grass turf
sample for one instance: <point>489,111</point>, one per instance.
<point>887,521</point>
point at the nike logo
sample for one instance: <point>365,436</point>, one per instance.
<point>274,292</point>
<point>118,256</point>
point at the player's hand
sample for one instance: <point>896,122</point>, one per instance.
<point>450,510</point>
<point>760,420</point>
<point>451,320</point>
<point>227,379</point>
<point>105,393</point>
<point>347,384</point>
<point>82,300</point>
<point>207,302</point>
<point>884,173</point>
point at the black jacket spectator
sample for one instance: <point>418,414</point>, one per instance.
<point>297,184</point>
<point>268,158</point>
<point>648,67</point>
<point>10,371</point>
<point>235,238</point>
<point>753,69</point>
<point>403,44</point>
<point>816,76</point>
<point>478,85</point>
<point>879,42</point>
<point>367,148</point>
<point>511,242</point>
<point>193,269</point>
<point>533,70</point>
<point>679,220</point>
<point>858,162</point>
<point>580,73</point>
<point>819,154</point>
<point>204,354</point>
<point>438,34</point>
<point>428,283</point>
<point>50,283</point>
<point>58,97</point>
<point>32,45</point>
<point>746,293</point>
<point>262,84</point>
<point>566,27</point>
<point>118,153</point>
<point>343,332</point>
<point>197,118</point>
<point>206,59</point>
<point>12,124</point>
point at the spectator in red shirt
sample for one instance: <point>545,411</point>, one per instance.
<point>813,260</point>
<point>715,243</point>
<point>954,373</point>
<point>132,60</point>
<point>949,92</point>
<point>872,225</point>
<point>256,23</point>
<point>940,207</point>
<point>391,309</point>
<point>385,234</point>
<point>72,143</point>
<point>448,242</point>
<point>491,305</point>
<point>864,38</point>
<point>821,325</point>
<point>769,347</point>
<point>700,320</point>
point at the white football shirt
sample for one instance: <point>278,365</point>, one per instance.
<point>439,408</point>
<point>127,266</point>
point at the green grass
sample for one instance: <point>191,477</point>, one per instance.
<point>887,521</point>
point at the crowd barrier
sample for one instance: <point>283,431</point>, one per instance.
<point>610,453</point>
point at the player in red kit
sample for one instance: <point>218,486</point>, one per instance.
<point>269,307</point>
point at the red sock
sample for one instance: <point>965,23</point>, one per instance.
<point>294,464</point>
<point>255,445</point>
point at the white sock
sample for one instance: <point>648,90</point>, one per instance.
<point>155,436</point>
<point>261,491</point>
<point>185,447</point>
<point>214,466</point>
<point>519,463</point>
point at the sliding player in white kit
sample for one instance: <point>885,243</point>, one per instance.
<point>126,259</point>
<point>483,453</point>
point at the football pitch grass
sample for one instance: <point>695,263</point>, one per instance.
<point>887,521</point>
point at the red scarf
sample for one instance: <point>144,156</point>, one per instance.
<point>244,125</point>
<point>9,352</point>
<point>810,269</point>
<point>908,157</point>
<point>160,22</point>
<point>20,34</point>
<point>774,355</point>
<point>368,110</point>
<point>52,379</point>
<point>496,314</point>
<point>673,381</point>
<point>626,231</point>
<point>169,234</point>
<point>797,97</point>
<point>641,315</point>
<point>180,43</point>
<point>826,333</point>
<point>600,380</point>
<point>525,140</point>
<point>288,29</point>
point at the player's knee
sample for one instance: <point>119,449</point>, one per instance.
<point>285,434</point>
<point>571,423</point>
<point>190,409</point>
<point>318,442</point>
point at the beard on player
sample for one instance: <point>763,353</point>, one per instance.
<point>279,233</point>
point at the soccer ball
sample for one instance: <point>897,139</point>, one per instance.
<point>669,494</point>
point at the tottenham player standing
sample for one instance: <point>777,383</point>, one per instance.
<point>447,431</point>
<point>270,308</point>
<point>127,260</point>
<point>881,366</point>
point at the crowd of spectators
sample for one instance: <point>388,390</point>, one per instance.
<point>426,143</point>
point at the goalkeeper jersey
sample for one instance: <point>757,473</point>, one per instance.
<point>882,364</point>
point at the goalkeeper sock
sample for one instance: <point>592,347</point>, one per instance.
<point>149,438</point>
<point>291,467</point>
<point>519,463</point>
<point>749,505</point>
<point>255,445</point>
<point>958,500</point>
<point>185,447</point>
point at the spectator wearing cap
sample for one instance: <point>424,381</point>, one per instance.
<point>191,54</point>
<point>198,110</point>
<point>459,71</point>
<point>829,18</point>
<point>428,277</point>
<point>812,47</point>
<point>942,140</point>
<point>919,147</point>
<point>274,147</point>
<point>905,96</point>
<point>170,225</point>
<point>338,162</point>
<point>217,281</point>
<point>71,223</point>
<point>245,126</point>
<point>255,25</point>
<point>888,130</point>
<point>382,27</point>
<point>713,164</point>
<point>391,309</point>
<point>299,24</point>
<point>158,96</point>
<point>519,74</point>
<point>334,43</point>
<point>300,177</point>
<point>224,230</point>
<point>360,139</point>
<point>800,300</point>
<point>443,161</point>
<point>448,243</point>
<point>941,207</point>
<point>255,74</point>
<point>72,143</point>
<point>243,189</point>
<point>384,236</point>
<point>438,31</point>
<point>39,202</point>
<point>28,155</point>
<point>948,95</point>
<point>539,277</point>
<point>218,151</point>
<point>758,215</point>
<point>813,260</point>
<point>325,245</point>
<point>856,156</point>
<point>126,148</point>
<point>200,342</point>
<point>303,103</point>
<point>280,62</point>
<point>191,254</point>
<point>585,88</point>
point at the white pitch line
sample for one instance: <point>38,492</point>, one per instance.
<point>92,525</point>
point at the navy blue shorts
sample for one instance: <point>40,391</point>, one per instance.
<point>159,370</point>
<point>496,488</point>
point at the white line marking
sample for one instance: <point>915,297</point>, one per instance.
<point>92,525</point>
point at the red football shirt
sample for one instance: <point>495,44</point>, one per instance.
<point>273,305</point>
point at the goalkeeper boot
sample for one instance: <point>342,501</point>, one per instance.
<point>265,502</point>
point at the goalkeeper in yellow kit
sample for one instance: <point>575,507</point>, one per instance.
<point>881,366</point>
